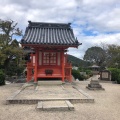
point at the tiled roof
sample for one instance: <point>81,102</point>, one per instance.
<point>49,34</point>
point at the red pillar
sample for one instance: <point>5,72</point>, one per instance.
<point>63,71</point>
<point>29,72</point>
<point>36,66</point>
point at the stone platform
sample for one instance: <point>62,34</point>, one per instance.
<point>32,94</point>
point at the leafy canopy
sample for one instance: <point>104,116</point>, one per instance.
<point>95,55</point>
<point>113,56</point>
<point>9,46</point>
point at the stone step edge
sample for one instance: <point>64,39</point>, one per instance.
<point>84,93</point>
<point>49,83</point>
<point>35,101</point>
<point>68,103</point>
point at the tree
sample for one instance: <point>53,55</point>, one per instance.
<point>8,30</point>
<point>113,56</point>
<point>95,55</point>
<point>9,46</point>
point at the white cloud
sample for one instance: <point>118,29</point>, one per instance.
<point>98,16</point>
<point>89,41</point>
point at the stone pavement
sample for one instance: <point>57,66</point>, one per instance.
<point>31,94</point>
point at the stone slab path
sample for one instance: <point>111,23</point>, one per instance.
<point>55,105</point>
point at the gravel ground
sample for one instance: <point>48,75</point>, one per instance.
<point>106,106</point>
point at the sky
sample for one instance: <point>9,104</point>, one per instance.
<point>94,22</point>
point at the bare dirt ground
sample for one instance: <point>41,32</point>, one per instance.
<point>105,107</point>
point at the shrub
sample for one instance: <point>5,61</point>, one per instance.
<point>77,75</point>
<point>115,74</point>
<point>118,80</point>
<point>2,78</point>
<point>14,70</point>
<point>89,72</point>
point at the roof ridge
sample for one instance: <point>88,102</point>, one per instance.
<point>49,25</point>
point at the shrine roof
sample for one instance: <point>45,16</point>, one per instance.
<point>49,34</point>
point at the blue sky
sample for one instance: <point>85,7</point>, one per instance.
<point>93,21</point>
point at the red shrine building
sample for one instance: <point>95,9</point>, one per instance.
<point>48,44</point>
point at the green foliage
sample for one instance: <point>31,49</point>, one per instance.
<point>113,56</point>
<point>76,75</point>
<point>9,31</point>
<point>107,55</point>
<point>115,74</point>
<point>2,78</point>
<point>9,46</point>
<point>88,71</point>
<point>14,69</point>
<point>95,55</point>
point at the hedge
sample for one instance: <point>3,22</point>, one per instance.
<point>76,75</point>
<point>115,74</point>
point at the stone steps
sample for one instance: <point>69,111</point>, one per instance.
<point>48,82</point>
<point>35,101</point>
<point>55,105</point>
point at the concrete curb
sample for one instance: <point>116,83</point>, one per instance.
<point>70,105</point>
<point>89,98</point>
<point>11,98</point>
<point>35,101</point>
